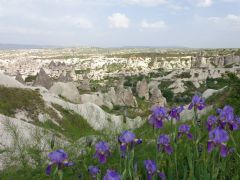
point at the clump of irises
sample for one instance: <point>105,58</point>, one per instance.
<point>219,128</point>
<point>127,141</point>
<point>60,159</point>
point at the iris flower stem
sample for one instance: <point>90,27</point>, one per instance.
<point>196,128</point>
<point>235,144</point>
<point>130,162</point>
<point>120,160</point>
<point>175,159</point>
<point>156,142</point>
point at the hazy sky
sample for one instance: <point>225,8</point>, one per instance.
<point>106,23</point>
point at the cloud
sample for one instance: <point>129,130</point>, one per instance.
<point>146,2</point>
<point>153,25</point>
<point>118,20</point>
<point>231,21</point>
<point>79,22</point>
<point>233,18</point>
<point>230,1</point>
<point>203,3</point>
<point>24,30</point>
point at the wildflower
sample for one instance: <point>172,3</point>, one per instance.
<point>164,144</point>
<point>112,175</point>
<point>58,157</point>
<point>102,151</point>
<point>217,138</point>
<point>93,171</point>
<point>237,120</point>
<point>211,121</point>
<point>162,175</point>
<point>127,139</point>
<point>226,117</point>
<point>157,117</point>
<point>184,129</point>
<point>175,112</point>
<point>151,168</point>
<point>197,102</point>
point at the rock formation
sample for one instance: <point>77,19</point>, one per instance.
<point>65,77</point>
<point>8,81</point>
<point>125,97</point>
<point>52,65</point>
<point>142,89</point>
<point>157,97</point>
<point>43,79</point>
<point>19,78</point>
<point>66,90</point>
<point>177,86</point>
<point>209,92</point>
<point>85,84</point>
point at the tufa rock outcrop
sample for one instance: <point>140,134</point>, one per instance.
<point>85,84</point>
<point>19,78</point>
<point>157,97</point>
<point>66,90</point>
<point>142,89</point>
<point>43,79</point>
<point>177,86</point>
<point>65,77</point>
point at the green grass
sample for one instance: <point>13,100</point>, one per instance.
<point>190,165</point>
<point>12,99</point>
<point>206,166</point>
<point>72,125</point>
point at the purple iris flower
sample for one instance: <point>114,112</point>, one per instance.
<point>237,120</point>
<point>164,144</point>
<point>102,151</point>
<point>159,114</point>
<point>112,175</point>
<point>211,121</point>
<point>151,168</point>
<point>197,102</point>
<point>127,140</point>
<point>175,112</point>
<point>227,117</point>
<point>93,171</point>
<point>58,157</point>
<point>184,129</point>
<point>217,138</point>
<point>162,175</point>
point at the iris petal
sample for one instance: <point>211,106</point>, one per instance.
<point>210,146</point>
<point>48,169</point>
<point>223,150</point>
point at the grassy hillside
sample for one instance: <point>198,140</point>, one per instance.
<point>12,99</point>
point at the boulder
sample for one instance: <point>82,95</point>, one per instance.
<point>67,90</point>
<point>9,81</point>
<point>43,79</point>
<point>142,89</point>
<point>209,92</point>
<point>177,86</point>
<point>124,97</point>
<point>187,115</point>
<point>96,98</point>
<point>196,83</point>
<point>157,97</point>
